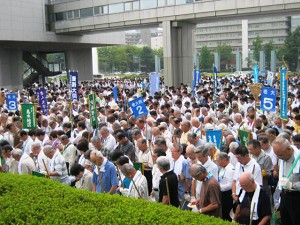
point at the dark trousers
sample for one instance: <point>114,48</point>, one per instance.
<point>148,175</point>
<point>227,204</point>
<point>290,208</point>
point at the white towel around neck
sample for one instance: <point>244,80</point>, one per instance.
<point>254,200</point>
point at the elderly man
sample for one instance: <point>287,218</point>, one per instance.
<point>185,127</point>
<point>108,139</point>
<point>58,168</point>
<point>225,178</point>
<point>26,164</point>
<point>156,174</point>
<point>168,184</point>
<point>145,157</point>
<point>27,141</point>
<point>126,146</point>
<point>181,169</point>
<point>68,150</point>
<point>253,203</point>
<point>138,187</point>
<point>98,145</point>
<point>209,202</point>
<point>264,161</point>
<point>38,157</point>
<point>289,181</point>
<point>245,163</point>
<point>204,159</point>
<point>104,175</point>
<point>194,139</point>
<point>190,154</point>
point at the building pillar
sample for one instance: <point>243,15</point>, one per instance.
<point>178,45</point>
<point>262,61</point>
<point>245,44</point>
<point>80,60</point>
<point>217,60</point>
<point>238,61</point>
<point>11,69</point>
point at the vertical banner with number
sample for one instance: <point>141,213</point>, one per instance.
<point>214,136</point>
<point>154,83</point>
<point>283,94</point>
<point>41,95</point>
<point>215,86</point>
<point>244,137</point>
<point>268,99</point>
<point>28,116</point>
<point>138,107</point>
<point>74,85</point>
<point>11,102</point>
<point>115,92</point>
<point>255,73</point>
<point>93,111</point>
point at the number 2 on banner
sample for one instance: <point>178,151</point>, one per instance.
<point>268,104</point>
<point>140,109</point>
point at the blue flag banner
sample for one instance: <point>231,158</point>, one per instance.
<point>154,83</point>
<point>215,86</point>
<point>41,95</point>
<point>197,77</point>
<point>268,99</point>
<point>11,102</point>
<point>138,107</point>
<point>214,136</point>
<point>74,85</point>
<point>255,73</point>
<point>283,94</point>
<point>115,92</point>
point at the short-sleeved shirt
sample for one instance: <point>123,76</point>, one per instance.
<point>172,185</point>
<point>108,178</point>
<point>211,194</point>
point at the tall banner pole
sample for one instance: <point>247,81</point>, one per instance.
<point>215,71</point>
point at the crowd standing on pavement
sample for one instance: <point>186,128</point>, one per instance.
<point>176,164</point>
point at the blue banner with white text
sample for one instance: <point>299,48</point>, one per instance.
<point>255,73</point>
<point>115,92</point>
<point>283,94</point>
<point>74,85</point>
<point>11,102</point>
<point>268,99</point>
<point>41,95</point>
<point>214,136</point>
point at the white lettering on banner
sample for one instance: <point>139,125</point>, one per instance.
<point>74,78</point>
<point>140,110</point>
<point>8,96</point>
<point>272,92</point>
<point>268,103</point>
<point>265,91</point>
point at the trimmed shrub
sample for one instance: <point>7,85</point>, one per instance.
<point>31,200</point>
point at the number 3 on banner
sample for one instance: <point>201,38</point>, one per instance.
<point>140,109</point>
<point>268,104</point>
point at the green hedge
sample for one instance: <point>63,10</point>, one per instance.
<point>31,200</point>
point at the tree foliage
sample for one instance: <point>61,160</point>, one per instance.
<point>127,58</point>
<point>258,46</point>
<point>225,52</point>
<point>206,58</point>
<point>268,47</point>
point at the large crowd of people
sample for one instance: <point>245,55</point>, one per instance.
<point>164,156</point>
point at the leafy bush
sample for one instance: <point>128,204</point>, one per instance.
<point>30,200</point>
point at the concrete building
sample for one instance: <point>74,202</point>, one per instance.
<point>240,34</point>
<point>157,42</point>
<point>25,35</point>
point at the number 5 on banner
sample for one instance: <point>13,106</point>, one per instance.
<point>268,104</point>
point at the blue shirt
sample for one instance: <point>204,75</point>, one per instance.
<point>109,178</point>
<point>186,174</point>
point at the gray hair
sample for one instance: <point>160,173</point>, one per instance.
<point>223,155</point>
<point>199,169</point>
<point>16,152</point>
<point>188,116</point>
<point>178,147</point>
<point>233,146</point>
<point>48,149</point>
<point>284,135</point>
<point>35,145</point>
<point>64,137</point>
<point>105,129</point>
<point>163,163</point>
<point>116,126</point>
<point>95,139</point>
<point>200,149</point>
<point>127,168</point>
<point>209,146</point>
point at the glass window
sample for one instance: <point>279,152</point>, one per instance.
<point>59,16</point>
<point>116,8</point>
<point>105,9</point>
<point>97,10</point>
<point>180,2</point>
<point>128,6</point>
<point>70,15</point>
<point>86,12</point>
<point>136,5</point>
<point>76,13</point>
<point>161,2</point>
<point>146,4</point>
